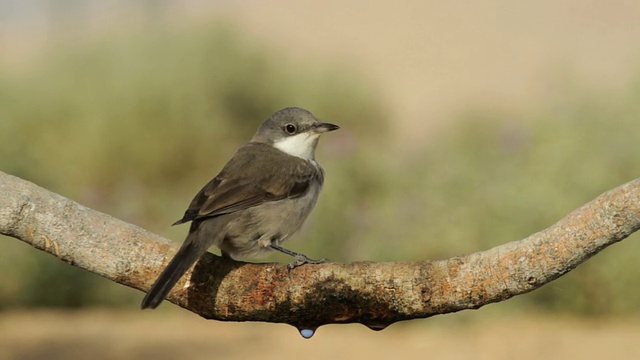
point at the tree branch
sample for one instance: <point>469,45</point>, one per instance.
<point>374,294</point>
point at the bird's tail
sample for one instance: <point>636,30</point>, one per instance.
<point>188,254</point>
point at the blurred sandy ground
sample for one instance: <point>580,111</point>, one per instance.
<point>134,335</point>
<point>430,60</point>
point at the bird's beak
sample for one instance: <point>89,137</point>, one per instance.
<point>326,127</point>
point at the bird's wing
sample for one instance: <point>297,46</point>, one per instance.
<point>237,188</point>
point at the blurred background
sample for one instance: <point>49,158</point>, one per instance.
<point>464,126</point>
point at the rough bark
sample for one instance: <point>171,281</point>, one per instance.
<point>374,294</point>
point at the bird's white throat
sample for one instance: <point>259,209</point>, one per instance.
<point>302,145</point>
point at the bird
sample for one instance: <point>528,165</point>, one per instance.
<point>259,199</point>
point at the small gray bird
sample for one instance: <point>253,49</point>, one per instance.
<point>259,199</point>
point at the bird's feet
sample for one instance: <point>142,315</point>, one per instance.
<point>300,258</point>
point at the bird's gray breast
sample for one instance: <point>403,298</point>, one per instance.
<point>251,231</point>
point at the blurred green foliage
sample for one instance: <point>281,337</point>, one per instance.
<point>133,125</point>
<point>501,177</point>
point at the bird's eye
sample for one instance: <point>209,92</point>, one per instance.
<point>290,129</point>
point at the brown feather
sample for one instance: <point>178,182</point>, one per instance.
<point>235,189</point>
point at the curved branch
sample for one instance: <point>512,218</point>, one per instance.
<point>374,294</point>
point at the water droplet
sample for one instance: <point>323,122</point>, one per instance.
<point>307,333</point>
<point>376,326</point>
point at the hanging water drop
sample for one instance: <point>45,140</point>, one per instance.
<point>307,333</point>
<point>376,326</point>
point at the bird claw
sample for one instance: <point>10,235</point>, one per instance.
<point>302,260</point>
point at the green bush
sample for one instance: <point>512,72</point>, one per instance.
<point>134,125</point>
